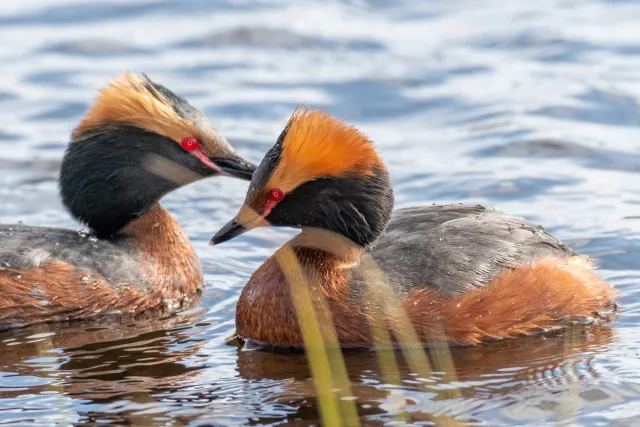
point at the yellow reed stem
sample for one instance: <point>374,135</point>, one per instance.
<point>410,344</point>
<point>403,329</point>
<point>315,348</point>
<point>334,352</point>
<point>321,359</point>
<point>314,344</point>
<point>385,353</point>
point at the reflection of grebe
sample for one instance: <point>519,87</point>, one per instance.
<point>464,274</point>
<point>487,377</point>
<point>528,360</point>
<point>107,361</point>
<point>138,142</point>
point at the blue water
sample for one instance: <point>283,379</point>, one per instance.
<point>531,107</point>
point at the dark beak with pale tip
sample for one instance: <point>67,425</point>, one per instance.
<point>233,229</point>
<point>235,167</point>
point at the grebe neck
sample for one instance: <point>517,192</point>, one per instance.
<point>168,256</point>
<point>328,246</point>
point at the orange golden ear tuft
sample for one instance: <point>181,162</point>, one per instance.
<point>317,145</point>
<point>135,100</point>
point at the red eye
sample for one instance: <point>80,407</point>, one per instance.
<point>189,143</point>
<point>276,195</point>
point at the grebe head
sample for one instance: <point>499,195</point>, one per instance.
<point>321,173</point>
<point>137,142</point>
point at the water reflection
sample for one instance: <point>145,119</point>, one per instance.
<point>545,364</point>
<point>158,367</point>
<point>101,361</point>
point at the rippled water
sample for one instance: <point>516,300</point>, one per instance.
<point>531,107</point>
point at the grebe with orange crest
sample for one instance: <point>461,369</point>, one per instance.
<point>463,274</point>
<point>137,142</point>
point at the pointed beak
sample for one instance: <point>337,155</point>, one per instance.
<point>234,166</point>
<point>246,220</point>
<point>228,232</point>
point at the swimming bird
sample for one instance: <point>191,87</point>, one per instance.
<point>137,142</point>
<point>462,274</point>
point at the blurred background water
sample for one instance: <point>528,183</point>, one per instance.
<point>530,107</point>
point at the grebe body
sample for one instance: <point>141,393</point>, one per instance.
<point>462,274</point>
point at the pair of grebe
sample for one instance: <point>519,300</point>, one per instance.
<point>462,274</point>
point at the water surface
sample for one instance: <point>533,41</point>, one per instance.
<point>530,107</point>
